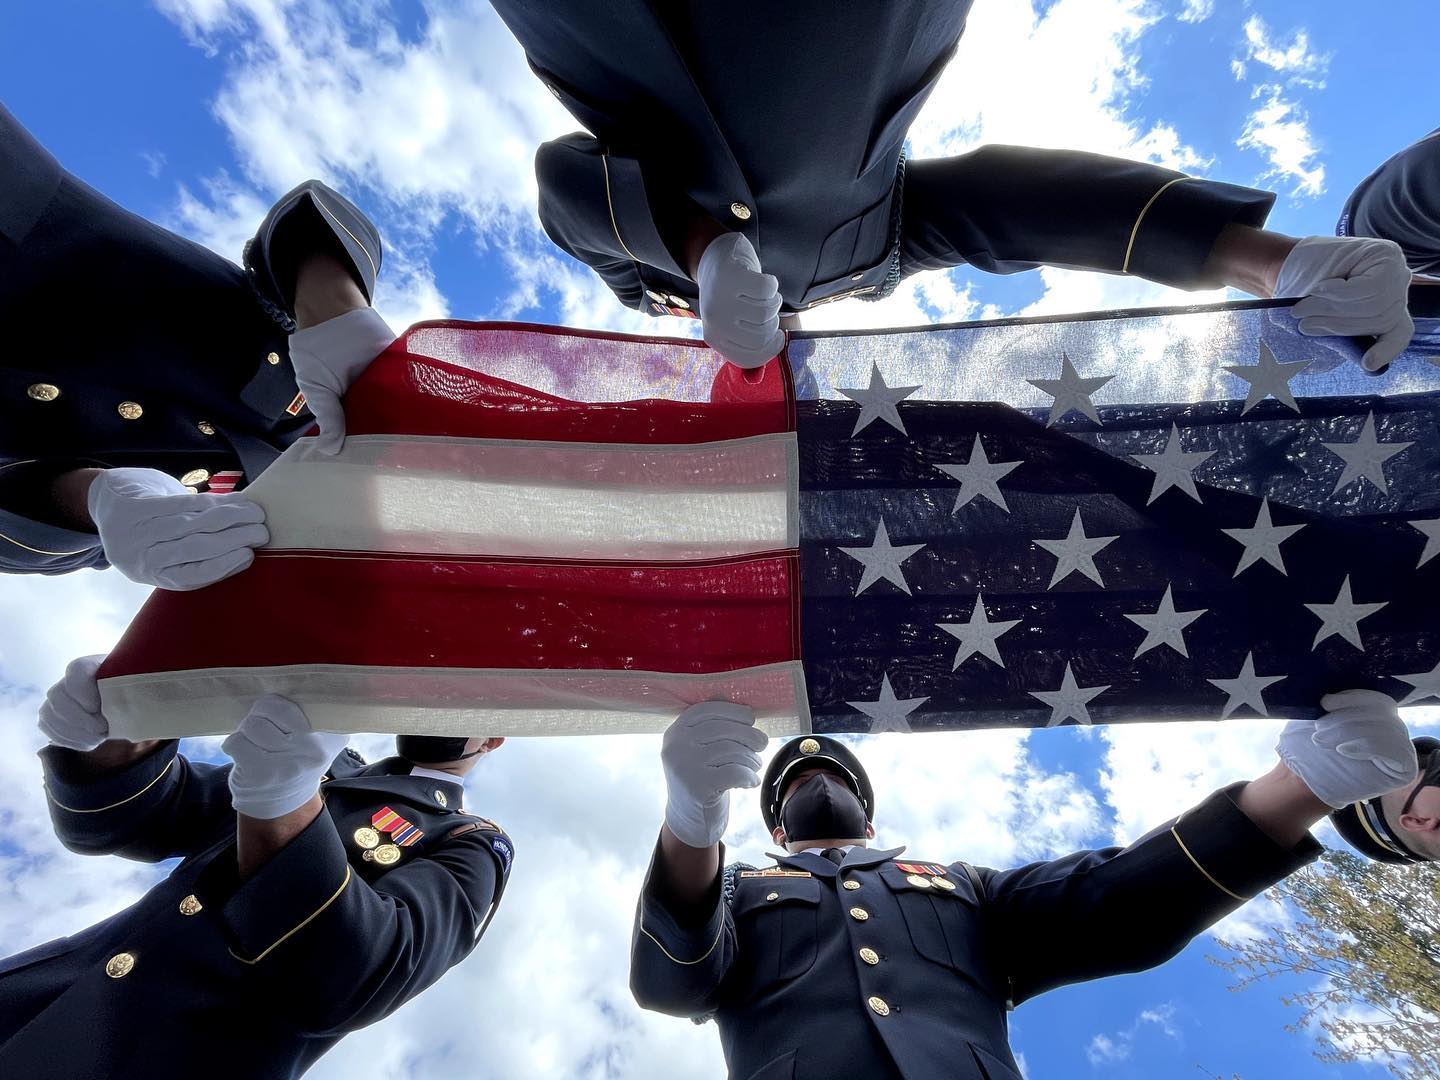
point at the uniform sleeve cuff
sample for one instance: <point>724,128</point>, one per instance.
<point>30,544</point>
<point>684,936</point>
<point>297,885</point>
<point>1176,230</point>
<point>1234,853</point>
<point>70,787</point>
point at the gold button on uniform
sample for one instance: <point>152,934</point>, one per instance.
<point>195,477</point>
<point>870,956</point>
<point>943,883</point>
<point>367,837</point>
<point>809,746</point>
<point>272,358</point>
<point>852,885</point>
<point>129,410</point>
<point>206,428</point>
<point>773,896</point>
<point>879,1006</point>
<point>43,391</point>
<point>119,965</point>
<point>920,881</point>
<point>740,210</point>
<point>856,277</point>
<point>190,905</point>
<point>859,914</point>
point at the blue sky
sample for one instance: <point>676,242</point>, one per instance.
<point>197,113</point>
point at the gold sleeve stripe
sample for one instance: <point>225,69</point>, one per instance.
<point>42,551</point>
<point>122,802</point>
<point>605,162</point>
<point>1208,876</point>
<point>675,959</point>
<point>374,270</point>
<point>1135,229</point>
<point>295,930</point>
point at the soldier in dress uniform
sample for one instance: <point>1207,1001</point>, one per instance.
<point>147,378</point>
<point>745,162</point>
<point>315,894</point>
<point>841,960</point>
<point>1401,825</point>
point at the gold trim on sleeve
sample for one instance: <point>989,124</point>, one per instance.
<point>122,802</point>
<point>605,162</point>
<point>674,959</point>
<point>42,551</point>
<point>1208,877</point>
<point>1135,229</point>
<point>296,929</point>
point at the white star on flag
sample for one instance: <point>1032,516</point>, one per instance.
<point>1263,540</point>
<point>1165,626</point>
<point>1268,378</point>
<point>1342,617</point>
<point>1070,391</point>
<point>1431,529</point>
<point>1173,467</point>
<point>878,401</point>
<point>978,476</point>
<point>1070,702</point>
<point>887,713</point>
<point>882,560</point>
<point>1365,457</point>
<point>978,635</point>
<point>1426,685</point>
<point>1247,688</point>
<point>1076,552</point>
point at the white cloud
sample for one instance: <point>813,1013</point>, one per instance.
<point>1279,129</point>
<point>1107,1050</point>
<point>1294,59</point>
<point>1194,11</point>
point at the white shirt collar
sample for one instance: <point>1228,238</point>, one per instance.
<point>436,774</point>
<point>818,850</point>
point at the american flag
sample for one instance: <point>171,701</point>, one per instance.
<point>1191,514</point>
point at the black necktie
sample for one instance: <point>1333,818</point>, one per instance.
<point>834,854</point>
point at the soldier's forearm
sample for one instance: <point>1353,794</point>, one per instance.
<point>257,840</point>
<point>703,231</point>
<point>323,290</point>
<point>69,493</point>
<point>1281,805</point>
<point>1248,258</point>
<point>114,755</point>
<point>685,874</point>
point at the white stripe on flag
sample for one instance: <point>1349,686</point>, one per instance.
<point>447,701</point>
<point>500,497</point>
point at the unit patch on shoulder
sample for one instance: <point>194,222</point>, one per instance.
<point>503,851</point>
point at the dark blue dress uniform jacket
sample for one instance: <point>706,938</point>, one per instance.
<point>244,980</point>
<point>125,345</point>
<point>1400,201</point>
<point>857,971</point>
<point>786,122</point>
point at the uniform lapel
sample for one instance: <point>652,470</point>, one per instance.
<point>863,858</point>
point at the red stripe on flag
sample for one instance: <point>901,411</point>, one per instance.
<point>303,608</point>
<point>403,393</point>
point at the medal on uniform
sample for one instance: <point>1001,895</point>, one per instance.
<point>367,837</point>
<point>385,855</point>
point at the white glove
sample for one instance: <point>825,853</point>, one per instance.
<point>328,357</point>
<point>1352,286</point>
<point>709,749</point>
<point>1359,749</point>
<point>157,532</point>
<point>739,306</point>
<point>71,716</point>
<point>278,758</point>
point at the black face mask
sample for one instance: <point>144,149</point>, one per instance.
<point>822,808</point>
<point>433,749</point>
